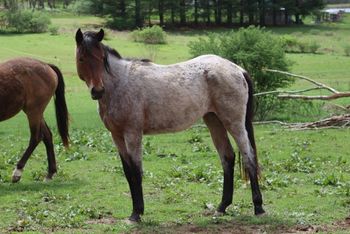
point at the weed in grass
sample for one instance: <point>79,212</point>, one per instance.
<point>347,50</point>
<point>118,169</point>
<point>332,179</point>
<point>77,155</point>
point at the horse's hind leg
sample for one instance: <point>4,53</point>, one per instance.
<point>47,138</point>
<point>227,156</point>
<point>35,138</point>
<point>238,130</point>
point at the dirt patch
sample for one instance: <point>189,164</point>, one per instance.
<point>239,228</point>
<point>104,220</point>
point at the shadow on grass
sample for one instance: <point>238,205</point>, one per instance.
<point>226,224</point>
<point>10,188</point>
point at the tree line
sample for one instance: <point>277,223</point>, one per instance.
<point>137,13</point>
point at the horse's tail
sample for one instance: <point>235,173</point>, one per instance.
<point>62,117</point>
<point>249,122</point>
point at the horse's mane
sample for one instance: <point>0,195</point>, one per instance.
<point>110,51</point>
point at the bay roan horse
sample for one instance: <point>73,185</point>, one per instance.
<point>140,97</point>
<point>28,84</point>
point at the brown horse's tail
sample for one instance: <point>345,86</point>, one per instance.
<point>61,108</point>
<point>249,121</point>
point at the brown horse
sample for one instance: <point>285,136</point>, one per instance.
<point>28,84</point>
<point>140,97</point>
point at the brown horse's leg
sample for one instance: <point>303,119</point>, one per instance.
<point>130,150</point>
<point>238,131</point>
<point>227,156</point>
<point>35,138</point>
<point>47,138</point>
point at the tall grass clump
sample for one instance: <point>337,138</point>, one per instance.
<point>149,35</point>
<point>254,49</point>
<point>347,50</point>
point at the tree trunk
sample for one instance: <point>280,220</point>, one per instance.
<point>173,13</point>
<point>229,13</point>
<point>251,15</point>
<point>183,12</point>
<point>161,12</point>
<point>208,12</point>
<point>274,13</point>
<point>296,14</point>
<point>196,12</point>
<point>262,12</point>
<point>218,18</point>
<point>138,19</point>
<point>149,13</point>
<point>41,4</point>
<point>241,13</point>
<point>122,7</point>
<point>286,17</point>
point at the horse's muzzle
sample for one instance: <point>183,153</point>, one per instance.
<point>97,93</point>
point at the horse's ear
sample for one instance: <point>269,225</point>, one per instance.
<point>100,35</point>
<point>79,37</point>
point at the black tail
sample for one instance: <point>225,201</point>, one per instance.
<point>249,118</point>
<point>61,108</point>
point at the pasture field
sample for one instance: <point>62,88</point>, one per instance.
<point>306,174</point>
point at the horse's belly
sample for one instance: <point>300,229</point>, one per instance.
<point>170,122</point>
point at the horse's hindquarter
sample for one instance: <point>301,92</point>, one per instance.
<point>31,81</point>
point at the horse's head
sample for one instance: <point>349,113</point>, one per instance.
<point>90,58</point>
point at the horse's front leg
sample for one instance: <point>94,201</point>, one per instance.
<point>130,150</point>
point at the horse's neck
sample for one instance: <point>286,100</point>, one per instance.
<point>117,70</point>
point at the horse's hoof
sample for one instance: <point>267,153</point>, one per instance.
<point>259,211</point>
<point>135,218</point>
<point>15,179</point>
<point>16,175</point>
<point>218,213</point>
<point>130,222</point>
<point>49,176</point>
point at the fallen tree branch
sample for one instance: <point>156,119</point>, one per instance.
<point>339,121</point>
<point>304,78</point>
<point>320,97</point>
<point>296,93</point>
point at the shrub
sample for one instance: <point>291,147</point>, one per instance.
<point>150,35</point>
<point>308,46</point>
<point>53,29</point>
<point>254,49</point>
<point>290,43</point>
<point>313,47</point>
<point>27,21</point>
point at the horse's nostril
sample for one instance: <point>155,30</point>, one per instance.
<point>97,93</point>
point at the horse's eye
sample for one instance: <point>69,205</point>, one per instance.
<point>81,60</point>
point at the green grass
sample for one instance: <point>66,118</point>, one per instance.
<point>305,173</point>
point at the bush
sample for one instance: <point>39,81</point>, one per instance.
<point>150,35</point>
<point>254,49</point>
<point>308,46</point>
<point>27,21</point>
<point>53,29</point>
<point>290,43</point>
